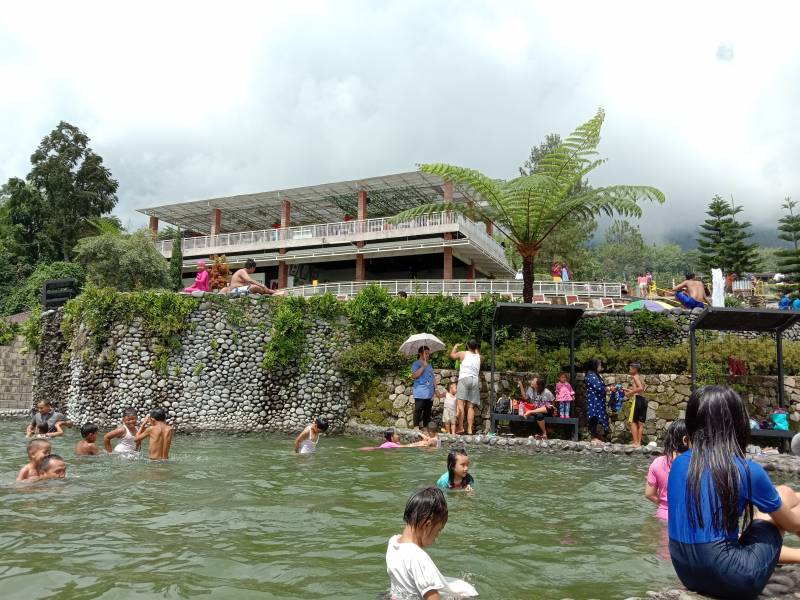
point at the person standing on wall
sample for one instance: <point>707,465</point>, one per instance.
<point>423,387</point>
<point>468,393</point>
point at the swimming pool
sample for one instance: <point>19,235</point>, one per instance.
<point>241,518</point>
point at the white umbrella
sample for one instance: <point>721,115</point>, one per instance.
<point>412,345</point>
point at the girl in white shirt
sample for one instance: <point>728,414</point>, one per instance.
<point>412,573</point>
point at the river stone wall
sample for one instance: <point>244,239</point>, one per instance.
<point>390,403</point>
<point>215,381</point>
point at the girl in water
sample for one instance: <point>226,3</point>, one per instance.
<point>308,439</point>
<point>711,486</point>
<point>655,490</point>
<point>457,476</point>
<point>127,431</point>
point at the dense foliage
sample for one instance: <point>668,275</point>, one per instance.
<point>25,296</point>
<point>723,241</point>
<point>176,262</point>
<point>789,227</point>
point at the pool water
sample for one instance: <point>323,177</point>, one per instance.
<point>242,517</point>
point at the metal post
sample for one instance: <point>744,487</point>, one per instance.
<point>693,359</point>
<point>779,341</point>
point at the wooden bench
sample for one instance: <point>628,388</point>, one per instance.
<point>572,423</point>
<point>784,437</point>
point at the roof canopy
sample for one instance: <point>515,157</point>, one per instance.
<point>745,319</point>
<point>536,316</point>
<point>324,203</point>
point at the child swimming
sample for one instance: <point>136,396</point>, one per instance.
<point>392,439</point>
<point>308,439</point>
<point>457,476</point>
<point>53,467</point>
<point>155,427</point>
<point>127,431</point>
<point>707,552</point>
<point>87,446</point>
<point>412,573</point>
<point>38,449</point>
<point>676,442</point>
<point>430,439</point>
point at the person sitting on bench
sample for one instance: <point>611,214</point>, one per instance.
<point>542,400</point>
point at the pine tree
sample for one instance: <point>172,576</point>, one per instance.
<point>789,259</point>
<point>723,240</point>
<point>176,262</point>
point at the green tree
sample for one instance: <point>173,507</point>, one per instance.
<point>68,185</point>
<point>529,208</point>
<point>24,220</point>
<point>723,240</point>
<point>623,253</point>
<point>26,294</point>
<point>176,261</point>
<point>789,228</point>
<point>127,261</point>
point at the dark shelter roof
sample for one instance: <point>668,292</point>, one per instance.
<point>536,316</point>
<point>745,319</point>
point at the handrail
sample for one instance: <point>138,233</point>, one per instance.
<point>334,230</point>
<point>463,287</point>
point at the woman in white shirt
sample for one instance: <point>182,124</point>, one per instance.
<point>468,392</point>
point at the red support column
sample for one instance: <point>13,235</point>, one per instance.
<point>447,273</point>
<point>154,225</point>
<point>489,227</point>
<point>216,221</point>
<point>283,268</point>
<point>361,270</point>
<point>471,271</point>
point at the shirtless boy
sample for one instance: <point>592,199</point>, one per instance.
<point>53,467</point>
<point>691,292</point>
<point>241,282</point>
<point>37,450</point>
<point>87,446</point>
<point>155,427</point>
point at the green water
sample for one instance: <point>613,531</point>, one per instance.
<point>241,517</point>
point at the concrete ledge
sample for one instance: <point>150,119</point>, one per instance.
<point>15,413</point>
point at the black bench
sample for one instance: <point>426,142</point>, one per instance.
<point>572,423</point>
<point>784,436</point>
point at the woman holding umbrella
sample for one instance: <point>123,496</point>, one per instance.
<point>423,388</point>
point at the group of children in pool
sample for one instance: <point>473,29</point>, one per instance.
<point>703,485</point>
<point>42,464</point>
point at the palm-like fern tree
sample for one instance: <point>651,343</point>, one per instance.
<point>529,208</point>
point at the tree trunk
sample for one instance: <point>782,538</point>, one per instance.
<point>527,278</point>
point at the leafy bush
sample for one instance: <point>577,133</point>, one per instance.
<point>127,262</point>
<point>288,333</point>
<point>658,323</point>
<point>362,363</point>
<point>369,311</point>
<point>24,297</point>
<point>31,330</point>
<point>8,332</point>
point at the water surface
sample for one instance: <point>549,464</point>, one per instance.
<point>241,517</point>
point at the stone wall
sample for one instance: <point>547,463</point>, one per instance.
<point>390,402</point>
<point>215,381</point>
<point>16,369</point>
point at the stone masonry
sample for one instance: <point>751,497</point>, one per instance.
<point>16,369</point>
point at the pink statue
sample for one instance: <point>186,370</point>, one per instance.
<point>201,281</point>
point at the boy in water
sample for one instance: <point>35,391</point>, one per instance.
<point>87,446</point>
<point>431,438</point>
<point>38,449</point>
<point>155,427</point>
<point>307,441</point>
<point>53,467</point>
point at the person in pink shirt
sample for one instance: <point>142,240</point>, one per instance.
<point>655,490</point>
<point>201,280</point>
<point>564,395</point>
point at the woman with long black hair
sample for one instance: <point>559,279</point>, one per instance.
<point>711,486</point>
<point>596,400</point>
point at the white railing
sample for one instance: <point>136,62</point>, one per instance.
<point>324,232</point>
<point>463,287</point>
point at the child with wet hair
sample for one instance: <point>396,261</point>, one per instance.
<point>38,449</point>
<point>676,442</point>
<point>457,476</point>
<point>307,441</point>
<point>53,467</point>
<point>87,446</point>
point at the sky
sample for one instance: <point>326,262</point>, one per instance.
<point>195,100</point>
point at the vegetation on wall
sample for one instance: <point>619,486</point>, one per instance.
<point>25,296</point>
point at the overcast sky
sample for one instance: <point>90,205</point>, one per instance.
<point>191,101</point>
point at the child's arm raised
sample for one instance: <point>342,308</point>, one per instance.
<point>303,435</point>
<point>59,430</point>
<point>118,432</point>
<point>144,431</point>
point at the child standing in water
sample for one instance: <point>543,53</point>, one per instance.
<point>711,486</point>
<point>457,476</point>
<point>127,431</point>
<point>308,439</point>
<point>38,449</point>
<point>87,446</point>
<point>564,396</point>
<point>155,427</point>
<point>450,407</point>
<point>676,442</point>
<point>412,573</point>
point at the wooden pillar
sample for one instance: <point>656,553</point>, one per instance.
<point>361,270</point>
<point>283,268</point>
<point>154,225</point>
<point>216,221</point>
<point>447,270</point>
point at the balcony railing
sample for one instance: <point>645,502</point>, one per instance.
<point>464,287</point>
<point>329,232</point>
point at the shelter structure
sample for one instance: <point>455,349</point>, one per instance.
<point>535,316</point>
<point>744,319</point>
